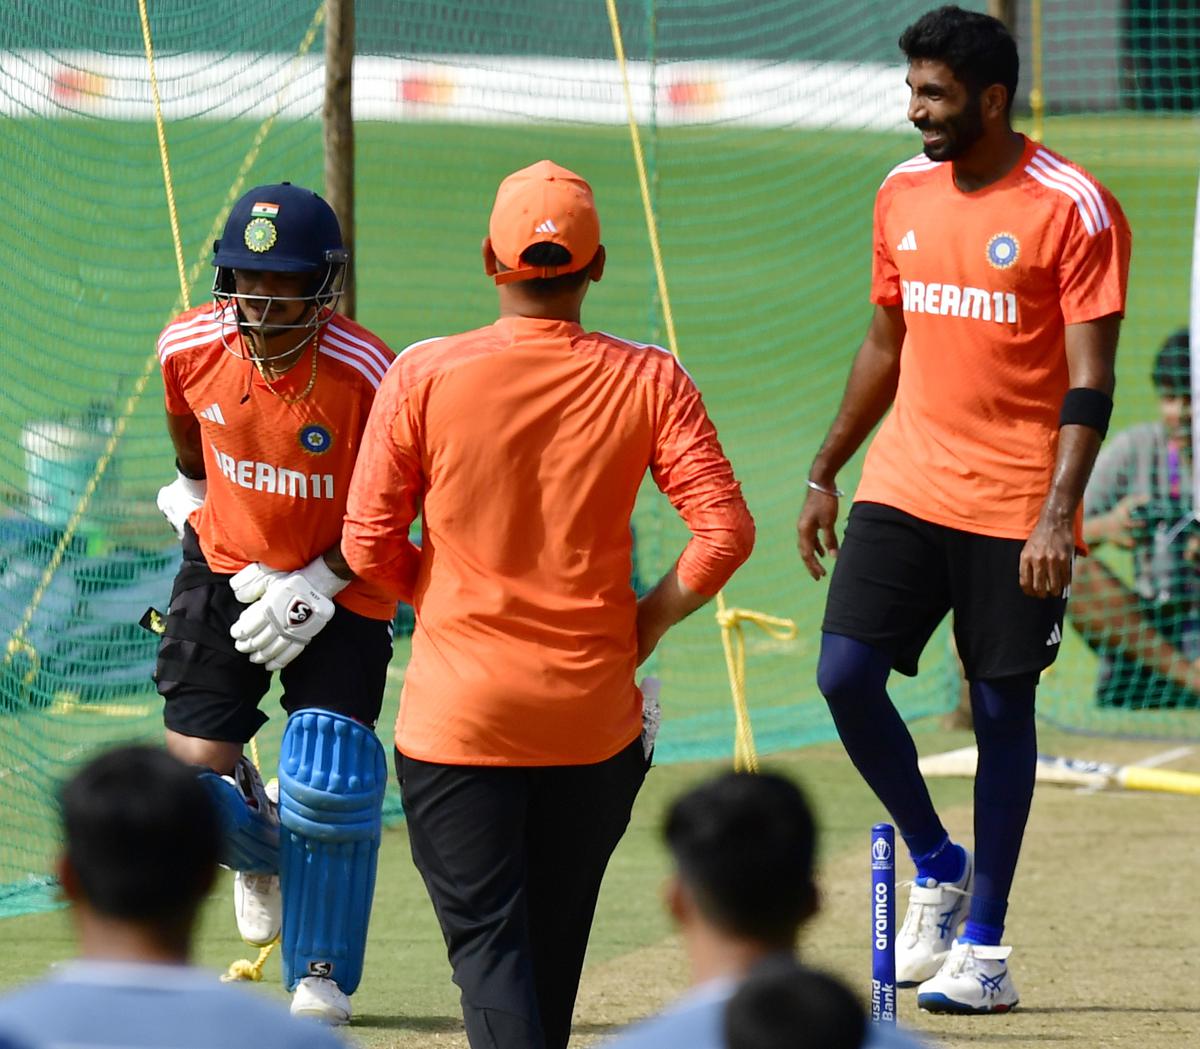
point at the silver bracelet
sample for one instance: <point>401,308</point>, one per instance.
<point>836,492</point>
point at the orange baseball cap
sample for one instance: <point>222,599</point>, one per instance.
<point>538,204</point>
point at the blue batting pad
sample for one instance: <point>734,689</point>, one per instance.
<point>332,777</point>
<point>249,839</point>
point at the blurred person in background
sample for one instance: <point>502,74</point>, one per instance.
<point>1140,499</point>
<point>141,841</point>
<point>741,887</point>
<point>782,1005</point>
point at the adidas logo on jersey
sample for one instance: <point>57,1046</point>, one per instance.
<point>546,227</point>
<point>908,242</point>
<point>1055,637</point>
<point>213,414</point>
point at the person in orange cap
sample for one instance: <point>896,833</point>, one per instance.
<point>520,744</point>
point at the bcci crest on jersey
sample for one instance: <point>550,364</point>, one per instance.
<point>315,439</point>
<point>1003,250</point>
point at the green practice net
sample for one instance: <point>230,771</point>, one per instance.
<point>767,129</point>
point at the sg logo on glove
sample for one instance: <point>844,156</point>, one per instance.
<point>299,612</point>
<point>274,630</point>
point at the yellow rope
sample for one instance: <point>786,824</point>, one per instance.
<point>244,969</point>
<point>733,639</point>
<point>18,643</point>
<point>640,160</point>
<point>1037,94</point>
<point>161,131</point>
<point>67,702</point>
<point>745,755</point>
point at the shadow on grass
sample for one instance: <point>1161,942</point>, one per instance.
<point>452,1024</point>
<point>405,1022</point>
<point>1152,1010</point>
<point>600,1028</point>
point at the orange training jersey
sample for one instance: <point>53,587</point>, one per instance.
<point>524,444</point>
<point>278,473</point>
<point>987,280</point>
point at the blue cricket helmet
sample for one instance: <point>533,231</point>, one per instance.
<point>280,228</point>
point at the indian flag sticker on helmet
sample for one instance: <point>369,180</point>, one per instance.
<point>263,210</point>
<point>260,235</point>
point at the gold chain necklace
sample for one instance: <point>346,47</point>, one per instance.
<point>312,379</point>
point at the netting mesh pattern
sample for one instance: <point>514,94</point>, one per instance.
<point>88,262</point>
<point>767,129</point>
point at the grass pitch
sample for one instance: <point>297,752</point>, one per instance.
<point>765,239</point>
<point>1100,924</point>
<point>766,246</point>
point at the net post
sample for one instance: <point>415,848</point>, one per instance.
<point>1194,350</point>
<point>1006,11</point>
<point>338,122</point>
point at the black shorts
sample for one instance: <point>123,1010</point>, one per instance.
<point>212,691</point>
<point>897,576</point>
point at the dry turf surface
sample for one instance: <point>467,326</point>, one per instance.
<point>1103,922</point>
<point>1104,925</point>
<point>1105,932</point>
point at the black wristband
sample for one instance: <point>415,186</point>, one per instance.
<point>186,474</point>
<point>1083,406</point>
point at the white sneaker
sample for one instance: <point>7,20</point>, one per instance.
<point>258,904</point>
<point>935,911</point>
<point>321,999</point>
<point>257,900</point>
<point>973,979</point>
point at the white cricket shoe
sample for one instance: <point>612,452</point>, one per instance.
<point>972,979</point>
<point>319,998</point>
<point>257,899</point>
<point>935,911</point>
<point>258,904</point>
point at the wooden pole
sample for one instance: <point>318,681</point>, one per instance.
<point>1006,11</point>
<point>339,131</point>
<point>1037,93</point>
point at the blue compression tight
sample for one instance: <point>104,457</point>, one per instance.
<point>852,676</point>
<point>1006,735</point>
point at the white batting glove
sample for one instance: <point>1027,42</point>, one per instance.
<point>252,581</point>
<point>178,499</point>
<point>292,611</point>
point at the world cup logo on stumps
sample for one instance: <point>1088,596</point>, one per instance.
<point>883,924</point>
